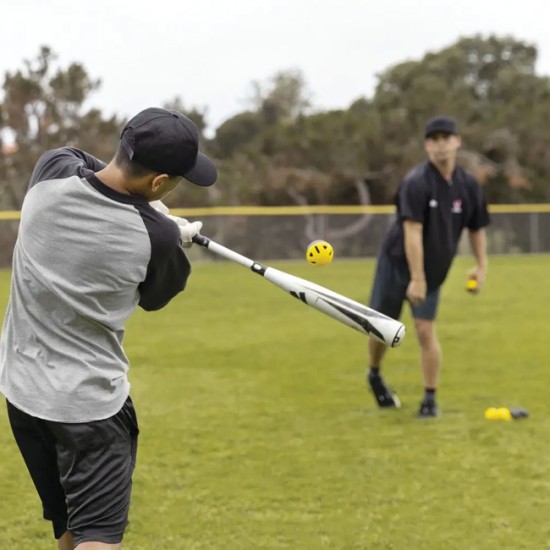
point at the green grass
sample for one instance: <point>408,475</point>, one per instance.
<point>257,430</point>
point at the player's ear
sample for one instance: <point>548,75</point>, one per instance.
<point>158,180</point>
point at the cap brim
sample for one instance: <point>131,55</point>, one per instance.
<point>440,131</point>
<point>204,172</point>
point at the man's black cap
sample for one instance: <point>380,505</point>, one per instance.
<point>166,141</point>
<point>443,124</point>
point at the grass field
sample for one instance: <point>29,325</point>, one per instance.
<point>258,432</point>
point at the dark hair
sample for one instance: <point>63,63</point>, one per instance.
<point>130,168</point>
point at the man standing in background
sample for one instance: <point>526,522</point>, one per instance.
<point>435,202</point>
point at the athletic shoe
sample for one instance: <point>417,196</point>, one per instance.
<point>428,409</point>
<point>383,395</point>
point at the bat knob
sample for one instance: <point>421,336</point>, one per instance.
<point>201,240</point>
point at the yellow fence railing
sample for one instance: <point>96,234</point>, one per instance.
<point>305,210</point>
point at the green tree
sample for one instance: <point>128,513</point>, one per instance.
<point>237,133</point>
<point>283,98</point>
<point>490,86</point>
<point>43,108</point>
<point>197,115</point>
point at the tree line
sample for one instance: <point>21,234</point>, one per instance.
<point>283,151</point>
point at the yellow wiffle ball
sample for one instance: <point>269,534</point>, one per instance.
<point>498,413</point>
<point>491,413</point>
<point>319,253</point>
<point>471,285</point>
<point>504,413</point>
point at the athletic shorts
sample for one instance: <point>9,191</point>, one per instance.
<point>389,291</point>
<point>82,472</point>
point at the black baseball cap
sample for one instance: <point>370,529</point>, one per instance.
<point>164,140</point>
<point>444,124</point>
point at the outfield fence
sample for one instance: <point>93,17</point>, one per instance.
<point>354,231</point>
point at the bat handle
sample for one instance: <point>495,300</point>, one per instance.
<point>201,240</point>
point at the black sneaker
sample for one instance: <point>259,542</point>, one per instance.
<point>383,395</point>
<point>428,409</point>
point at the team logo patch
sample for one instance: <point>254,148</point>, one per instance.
<point>457,207</point>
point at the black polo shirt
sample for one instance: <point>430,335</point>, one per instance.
<point>444,209</point>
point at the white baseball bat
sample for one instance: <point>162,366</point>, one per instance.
<point>347,311</point>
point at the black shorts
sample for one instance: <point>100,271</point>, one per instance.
<point>82,472</point>
<point>389,291</point>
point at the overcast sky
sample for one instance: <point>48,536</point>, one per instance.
<point>209,51</point>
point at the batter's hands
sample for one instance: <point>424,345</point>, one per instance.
<point>187,230</point>
<point>416,291</point>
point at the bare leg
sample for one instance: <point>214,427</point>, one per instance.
<point>97,546</point>
<point>430,352</point>
<point>376,352</point>
<point>66,541</point>
<point>383,395</point>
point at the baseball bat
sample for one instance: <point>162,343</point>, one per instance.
<point>347,311</point>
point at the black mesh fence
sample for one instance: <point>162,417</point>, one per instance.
<point>519,233</point>
<point>8,234</point>
<point>352,235</point>
<point>282,237</point>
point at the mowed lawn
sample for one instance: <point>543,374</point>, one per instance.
<point>258,432</point>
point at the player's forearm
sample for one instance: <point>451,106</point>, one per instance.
<point>160,207</point>
<point>414,250</point>
<point>478,242</point>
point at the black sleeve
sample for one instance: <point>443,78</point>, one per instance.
<point>63,163</point>
<point>412,199</point>
<point>168,268</point>
<point>480,215</point>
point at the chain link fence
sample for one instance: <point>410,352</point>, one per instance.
<point>359,236</point>
<point>277,237</point>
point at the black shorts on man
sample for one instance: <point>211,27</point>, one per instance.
<point>82,471</point>
<point>389,291</point>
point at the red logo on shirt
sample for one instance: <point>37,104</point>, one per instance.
<point>457,207</point>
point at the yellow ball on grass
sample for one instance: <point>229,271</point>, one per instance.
<point>504,413</point>
<point>491,413</point>
<point>498,413</point>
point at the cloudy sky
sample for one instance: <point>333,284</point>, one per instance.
<point>209,51</point>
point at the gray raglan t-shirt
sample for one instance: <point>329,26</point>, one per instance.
<point>86,256</point>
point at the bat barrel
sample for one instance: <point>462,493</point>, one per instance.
<point>349,312</point>
<point>343,309</point>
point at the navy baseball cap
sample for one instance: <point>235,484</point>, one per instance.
<point>166,141</point>
<point>443,124</point>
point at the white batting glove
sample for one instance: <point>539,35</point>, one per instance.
<point>187,230</point>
